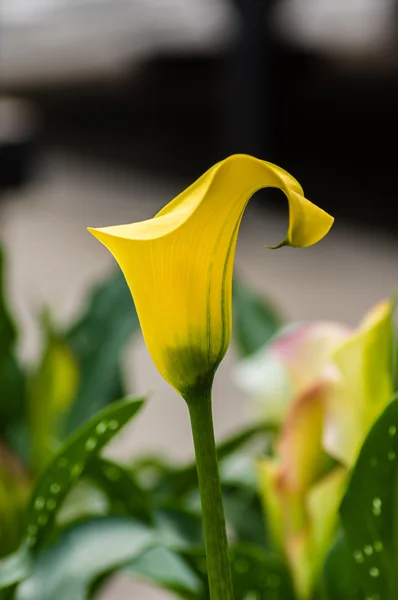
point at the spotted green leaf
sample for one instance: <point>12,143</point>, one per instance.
<point>339,578</point>
<point>84,501</point>
<point>97,340</point>
<point>256,320</point>
<point>67,569</point>
<point>69,463</point>
<point>168,570</point>
<point>126,496</point>
<point>259,575</point>
<point>369,510</point>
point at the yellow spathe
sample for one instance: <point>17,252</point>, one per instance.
<point>362,386</point>
<point>353,370</point>
<point>301,491</point>
<point>179,264</point>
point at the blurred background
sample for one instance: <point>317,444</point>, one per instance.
<point>109,108</point>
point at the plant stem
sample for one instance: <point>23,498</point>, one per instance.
<point>218,568</point>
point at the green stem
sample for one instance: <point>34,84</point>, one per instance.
<point>218,567</point>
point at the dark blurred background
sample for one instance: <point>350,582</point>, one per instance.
<point>171,86</point>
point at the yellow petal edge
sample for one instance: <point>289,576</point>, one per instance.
<point>179,264</point>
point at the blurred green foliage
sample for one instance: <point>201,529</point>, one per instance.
<point>60,499</point>
<point>70,517</point>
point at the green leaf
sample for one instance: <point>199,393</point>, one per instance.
<point>69,463</point>
<point>97,341</point>
<point>12,385</point>
<point>12,390</point>
<point>177,482</point>
<point>245,517</point>
<point>51,390</point>
<point>125,494</point>
<point>83,553</point>
<point>15,567</point>
<point>167,570</point>
<point>7,593</point>
<point>243,508</point>
<point>7,328</point>
<point>239,439</point>
<point>339,578</point>
<point>84,501</point>
<point>259,575</point>
<point>238,470</point>
<point>369,510</point>
<point>14,493</point>
<point>395,359</point>
<point>179,529</point>
<point>151,471</point>
<point>255,320</point>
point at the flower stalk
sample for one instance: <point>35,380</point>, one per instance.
<point>218,567</point>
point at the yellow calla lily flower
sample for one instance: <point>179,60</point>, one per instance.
<point>179,264</point>
<point>301,492</point>
<point>354,367</point>
<point>288,367</point>
<point>362,386</point>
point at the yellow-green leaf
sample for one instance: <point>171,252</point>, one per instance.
<point>51,391</point>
